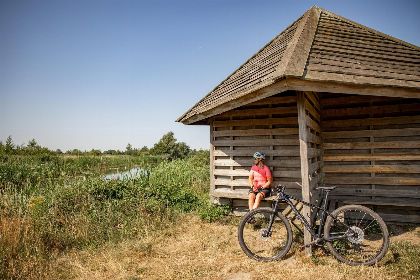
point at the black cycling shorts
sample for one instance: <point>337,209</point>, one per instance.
<point>265,192</point>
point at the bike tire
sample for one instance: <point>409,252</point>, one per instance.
<point>265,248</point>
<point>367,237</point>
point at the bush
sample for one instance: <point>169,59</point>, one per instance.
<point>210,212</point>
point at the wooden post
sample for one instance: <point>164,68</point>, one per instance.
<point>212,184</point>
<point>304,164</point>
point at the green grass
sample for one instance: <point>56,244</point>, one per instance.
<point>405,261</point>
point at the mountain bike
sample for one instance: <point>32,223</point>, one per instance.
<point>354,234</point>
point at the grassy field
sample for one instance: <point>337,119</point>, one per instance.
<point>194,249</point>
<point>60,219</point>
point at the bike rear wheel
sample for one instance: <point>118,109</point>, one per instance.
<point>358,235</point>
<point>261,242</point>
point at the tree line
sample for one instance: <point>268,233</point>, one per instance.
<point>168,146</point>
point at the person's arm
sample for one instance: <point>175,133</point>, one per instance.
<point>269,181</point>
<point>251,180</point>
<point>269,178</point>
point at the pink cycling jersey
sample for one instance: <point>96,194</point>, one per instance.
<point>259,176</point>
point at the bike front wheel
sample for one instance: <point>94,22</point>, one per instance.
<point>356,235</point>
<point>265,235</point>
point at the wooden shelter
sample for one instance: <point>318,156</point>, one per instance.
<point>329,101</point>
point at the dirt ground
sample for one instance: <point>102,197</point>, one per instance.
<point>198,250</point>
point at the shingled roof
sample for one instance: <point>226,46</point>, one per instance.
<point>318,47</point>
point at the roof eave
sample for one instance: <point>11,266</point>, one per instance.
<point>295,83</point>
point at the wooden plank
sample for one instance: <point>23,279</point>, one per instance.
<point>244,183</point>
<point>363,79</point>
<point>312,124</point>
<point>348,100</point>
<point>212,166</point>
<point>228,172</point>
<point>415,169</point>
<point>248,163</point>
<point>375,157</point>
<point>261,111</point>
<point>373,145</point>
<point>370,65</point>
<point>314,167</point>
<point>375,53</point>
<point>412,219</point>
<point>361,192</point>
<point>313,152</point>
<point>276,100</point>
<point>312,138</point>
<point>289,151</point>
<point>359,88</point>
<point>376,110</point>
<point>312,110</point>
<point>252,122</point>
<point>360,71</point>
<point>385,202</point>
<point>398,66</point>
<point>372,133</point>
<point>257,132</point>
<point>390,181</point>
<point>312,98</point>
<point>376,47</point>
<point>256,142</point>
<point>244,172</point>
<point>326,36</point>
<point>371,47</point>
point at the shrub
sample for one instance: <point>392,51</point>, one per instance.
<point>210,212</point>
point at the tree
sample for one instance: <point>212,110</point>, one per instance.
<point>95,152</point>
<point>9,147</point>
<point>33,144</point>
<point>144,149</point>
<point>169,147</point>
<point>129,149</point>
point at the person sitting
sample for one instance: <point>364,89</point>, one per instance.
<point>260,179</point>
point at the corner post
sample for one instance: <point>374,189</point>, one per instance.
<point>304,164</point>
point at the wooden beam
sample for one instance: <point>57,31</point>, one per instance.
<point>304,163</point>
<point>292,151</point>
<point>384,157</point>
<point>212,166</point>
<point>389,181</point>
<point>406,169</point>
<point>373,145</point>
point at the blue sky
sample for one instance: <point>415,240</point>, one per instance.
<point>100,74</point>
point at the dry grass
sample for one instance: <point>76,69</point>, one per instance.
<point>18,261</point>
<point>199,250</point>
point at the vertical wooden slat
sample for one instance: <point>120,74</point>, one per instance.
<point>304,163</point>
<point>212,166</point>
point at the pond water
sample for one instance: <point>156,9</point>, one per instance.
<point>126,175</point>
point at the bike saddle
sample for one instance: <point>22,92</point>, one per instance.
<point>325,188</point>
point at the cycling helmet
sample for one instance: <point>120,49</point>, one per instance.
<point>259,155</point>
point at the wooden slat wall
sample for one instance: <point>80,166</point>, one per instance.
<point>269,126</point>
<point>372,148</point>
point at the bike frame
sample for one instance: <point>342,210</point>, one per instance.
<point>321,207</point>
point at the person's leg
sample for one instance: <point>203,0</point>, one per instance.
<point>258,199</point>
<point>251,200</point>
